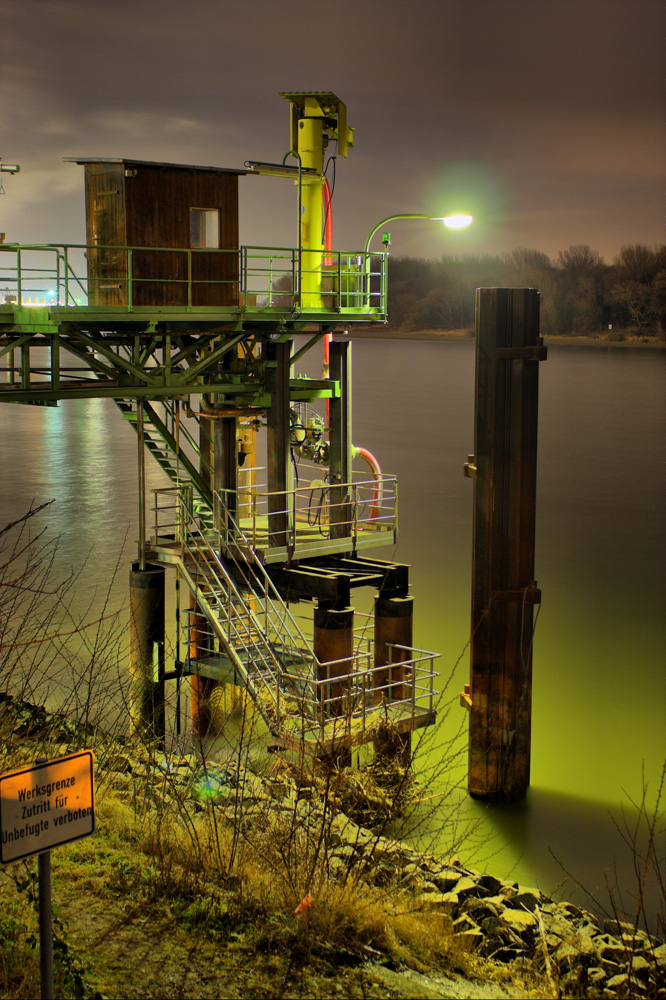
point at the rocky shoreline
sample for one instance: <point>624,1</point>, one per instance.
<point>499,920</point>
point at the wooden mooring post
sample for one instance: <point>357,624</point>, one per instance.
<point>504,592</point>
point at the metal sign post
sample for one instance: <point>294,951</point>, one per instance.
<point>45,918</point>
<point>42,807</point>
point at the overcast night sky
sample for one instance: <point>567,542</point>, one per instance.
<point>545,118</point>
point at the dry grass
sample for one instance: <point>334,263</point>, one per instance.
<point>192,875</point>
<point>274,869</point>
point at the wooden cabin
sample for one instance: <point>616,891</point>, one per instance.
<point>191,210</point>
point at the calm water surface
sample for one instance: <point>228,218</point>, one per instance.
<point>598,699</point>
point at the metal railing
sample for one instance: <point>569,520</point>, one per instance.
<point>249,622</point>
<point>184,436</point>
<point>252,638</point>
<point>362,509</point>
<point>255,621</point>
<point>367,694</point>
<point>254,278</point>
<point>43,275</point>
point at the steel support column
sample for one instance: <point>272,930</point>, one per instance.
<point>499,695</point>
<point>340,439</point>
<point>225,462</point>
<point>146,651</point>
<point>278,441</point>
<point>200,687</point>
<point>333,646</point>
<point>394,626</point>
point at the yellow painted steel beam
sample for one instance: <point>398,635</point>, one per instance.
<point>316,117</point>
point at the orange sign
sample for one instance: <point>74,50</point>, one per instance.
<point>46,805</point>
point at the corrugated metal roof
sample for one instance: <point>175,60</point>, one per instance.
<point>149,163</point>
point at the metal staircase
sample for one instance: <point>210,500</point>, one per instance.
<point>257,641</point>
<point>171,444</point>
<point>252,639</point>
<point>252,627</point>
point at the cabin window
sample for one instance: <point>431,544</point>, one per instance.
<point>205,228</point>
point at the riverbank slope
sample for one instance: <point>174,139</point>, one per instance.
<point>208,878</point>
<point>467,336</point>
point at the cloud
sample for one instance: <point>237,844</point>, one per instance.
<point>561,100</point>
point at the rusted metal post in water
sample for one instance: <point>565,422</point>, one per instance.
<point>504,592</point>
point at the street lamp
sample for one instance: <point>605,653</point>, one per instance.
<point>450,221</point>
<point>458,221</point>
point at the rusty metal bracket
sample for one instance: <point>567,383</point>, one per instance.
<point>528,595</point>
<point>466,697</point>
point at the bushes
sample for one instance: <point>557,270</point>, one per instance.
<point>580,294</point>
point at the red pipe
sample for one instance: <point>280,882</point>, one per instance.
<point>328,226</point>
<point>376,471</point>
<point>363,453</point>
<point>328,260</point>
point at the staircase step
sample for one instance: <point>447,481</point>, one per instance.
<point>259,657</point>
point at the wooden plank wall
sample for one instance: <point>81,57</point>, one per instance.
<point>141,205</point>
<point>158,203</point>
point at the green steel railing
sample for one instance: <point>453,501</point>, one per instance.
<point>250,278</point>
<point>251,623</point>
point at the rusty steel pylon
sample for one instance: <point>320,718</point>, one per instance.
<point>504,592</point>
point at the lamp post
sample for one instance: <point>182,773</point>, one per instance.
<point>458,221</point>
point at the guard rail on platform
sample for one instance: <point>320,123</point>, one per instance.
<point>318,516</point>
<point>253,637</point>
<point>249,278</point>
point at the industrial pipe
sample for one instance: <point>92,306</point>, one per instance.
<point>328,259</point>
<point>376,471</point>
<point>328,222</point>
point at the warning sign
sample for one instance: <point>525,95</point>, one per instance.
<point>46,805</point>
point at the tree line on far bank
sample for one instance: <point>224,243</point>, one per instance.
<point>580,294</point>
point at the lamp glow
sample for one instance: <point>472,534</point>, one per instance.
<point>458,221</point>
<point>450,221</point>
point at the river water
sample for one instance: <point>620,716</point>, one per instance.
<point>598,692</point>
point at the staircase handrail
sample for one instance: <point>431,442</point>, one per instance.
<point>212,565</point>
<point>269,587</point>
<point>169,406</point>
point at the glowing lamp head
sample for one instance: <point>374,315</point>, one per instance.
<point>458,221</point>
